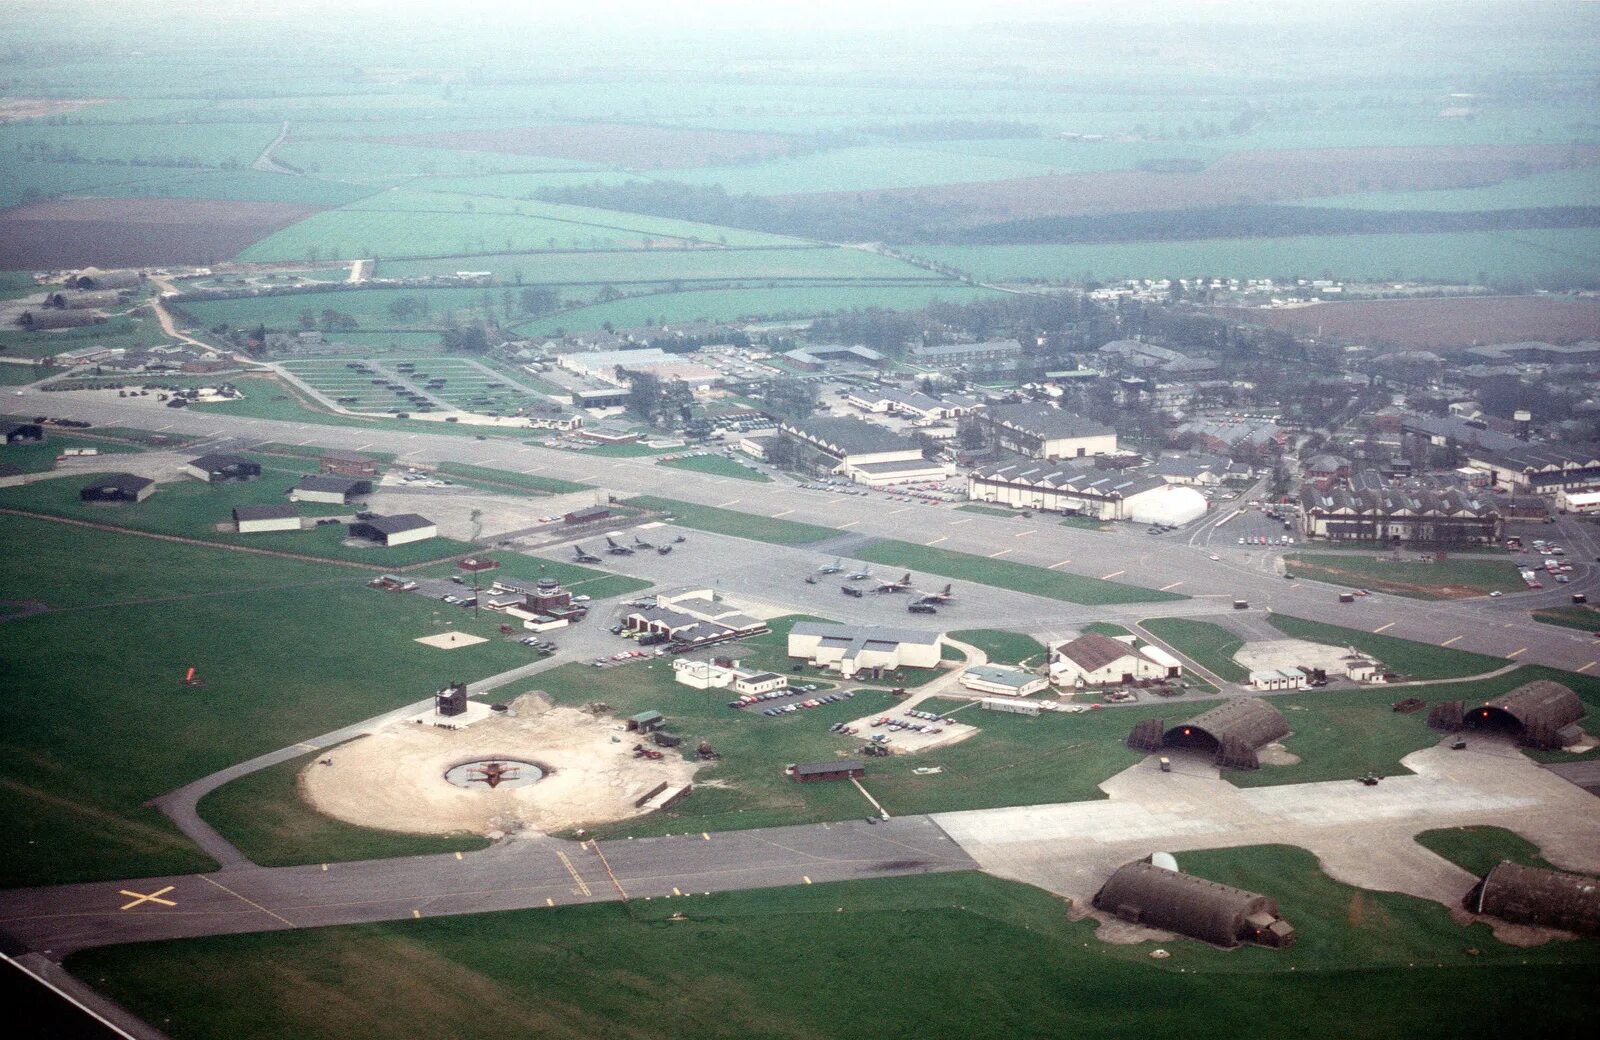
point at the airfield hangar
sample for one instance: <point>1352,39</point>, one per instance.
<point>1540,714</point>
<point>1233,731</point>
<point>1156,897</point>
<point>1548,898</point>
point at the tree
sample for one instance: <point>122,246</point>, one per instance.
<point>538,300</point>
<point>677,400</point>
<point>790,398</point>
<point>644,394</point>
<point>470,339</point>
<point>403,307</point>
<point>970,435</point>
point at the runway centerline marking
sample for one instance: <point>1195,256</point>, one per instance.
<point>245,899</point>
<point>1165,588</point>
<point>1002,552</point>
<point>1452,639</point>
<point>1518,650</point>
<point>1024,534</point>
<point>786,512</point>
<point>1113,574</point>
<point>1383,628</point>
<point>936,541</point>
<point>1053,566</point>
<point>140,897</point>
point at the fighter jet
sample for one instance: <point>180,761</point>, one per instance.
<point>615,549</point>
<point>943,596</point>
<point>640,543</point>
<point>861,575</point>
<point>580,556</point>
<point>836,567</point>
<point>903,585</point>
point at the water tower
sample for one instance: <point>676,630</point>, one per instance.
<point>1524,420</point>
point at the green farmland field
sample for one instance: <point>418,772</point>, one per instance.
<point>667,265</point>
<point>1457,256</point>
<point>856,169</point>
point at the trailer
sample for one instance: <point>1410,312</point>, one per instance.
<point>1014,707</point>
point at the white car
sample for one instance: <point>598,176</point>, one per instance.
<point>1215,557</point>
<point>1496,593</point>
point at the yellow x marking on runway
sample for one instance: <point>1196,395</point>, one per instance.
<point>153,897</point>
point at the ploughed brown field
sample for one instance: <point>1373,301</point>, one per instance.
<point>614,144</point>
<point>13,109</point>
<point>1242,178</point>
<point>134,232</point>
<point>1468,321</point>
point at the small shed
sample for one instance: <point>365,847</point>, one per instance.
<point>1540,714</point>
<point>394,530</point>
<point>646,722</point>
<point>1156,897</point>
<point>837,769</point>
<point>333,490</point>
<point>1529,895</point>
<point>220,468</point>
<point>117,487</point>
<point>586,515</point>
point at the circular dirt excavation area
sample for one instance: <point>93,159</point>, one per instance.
<point>534,767</point>
<point>492,774</point>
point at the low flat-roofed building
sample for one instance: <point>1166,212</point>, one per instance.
<point>861,451</point>
<point>723,674</point>
<point>1540,469</point>
<point>1002,679</point>
<point>1083,489</point>
<point>117,487</point>
<point>834,769</point>
<point>1040,431</point>
<point>855,648</point>
<point>219,468</point>
<point>262,519</point>
<point>390,531</point>
<point>1445,517</point>
<point>317,487</point>
<point>958,355</point>
<point>1093,659</point>
<point>1278,679</point>
<point>348,464</point>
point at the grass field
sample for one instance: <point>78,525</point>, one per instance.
<point>1412,659</point>
<point>1582,617</point>
<point>1003,647</point>
<point>144,611</point>
<point>1073,588</point>
<point>1452,257</point>
<point>668,265</point>
<point>1478,849</point>
<point>21,375</point>
<point>1024,970</point>
<point>1456,577</point>
<point>41,458</point>
<point>717,466</point>
<point>264,815</point>
<point>1210,646</point>
<point>733,304</point>
<point>531,483</point>
<point>740,525</point>
<point>858,169</point>
<point>193,509</point>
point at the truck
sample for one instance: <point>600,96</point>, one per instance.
<point>851,591</point>
<point>1240,604</point>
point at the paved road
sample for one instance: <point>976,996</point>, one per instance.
<point>1500,627</point>
<point>516,874</point>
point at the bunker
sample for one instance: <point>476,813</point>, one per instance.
<point>1232,732</point>
<point>1156,897</point>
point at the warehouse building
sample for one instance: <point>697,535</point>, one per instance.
<point>348,464</point>
<point>118,487</point>
<point>694,617</point>
<point>1540,469</point>
<point>817,357</point>
<point>1093,659</point>
<point>262,519</point>
<point>1234,731</point>
<point>864,648</point>
<point>1156,897</point>
<point>1000,352</point>
<point>1541,714</point>
<point>1081,489</point>
<point>390,531</point>
<point>1546,898</point>
<point>1450,517</point>
<point>1040,431</point>
<point>838,769</point>
<point>332,490</point>
<point>1002,679</point>
<point>220,469</point>
<point>860,451</point>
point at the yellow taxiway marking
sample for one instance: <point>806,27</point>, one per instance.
<point>1024,534</point>
<point>1113,574</point>
<point>458,855</point>
<point>1164,588</point>
<point>583,886</point>
<point>324,868</point>
<point>1518,650</point>
<point>1588,666</point>
<point>675,891</point>
<point>549,902</point>
<point>936,541</point>
<point>1452,639</point>
<point>1383,628</point>
<point>416,913</point>
<point>786,512</point>
<point>1002,552</point>
<point>153,897</point>
<point>1053,566</point>
<point>244,899</point>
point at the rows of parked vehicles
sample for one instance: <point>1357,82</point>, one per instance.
<point>1262,539</point>
<point>898,725</point>
<point>797,706</point>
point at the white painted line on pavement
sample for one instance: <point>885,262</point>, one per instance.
<point>958,523</point>
<point>1053,566</point>
<point>1024,534</point>
<point>364,447</point>
<point>1113,574</point>
<point>1384,628</point>
<point>850,524</point>
<point>786,512</point>
<point>1002,552</point>
<point>1452,639</point>
<point>936,541</point>
<point>1518,650</point>
<point>896,512</point>
<point>729,502</point>
<point>1166,588</point>
<point>1588,666</point>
